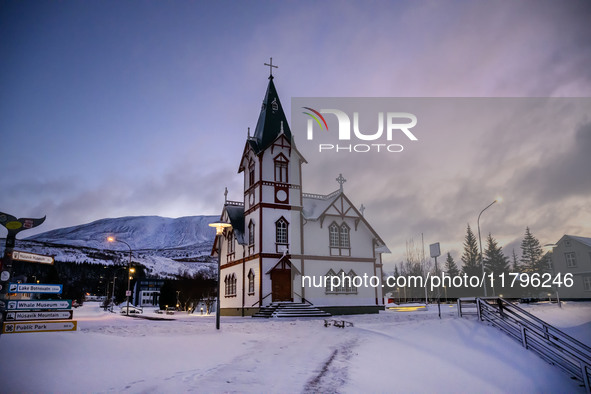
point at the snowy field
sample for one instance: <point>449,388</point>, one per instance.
<point>389,352</point>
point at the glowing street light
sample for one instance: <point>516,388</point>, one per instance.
<point>499,200</point>
<point>219,230</point>
<point>129,272</point>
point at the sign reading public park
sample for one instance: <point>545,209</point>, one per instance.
<point>16,327</point>
<point>39,315</point>
<point>38,304</point>
<point>32,257</point>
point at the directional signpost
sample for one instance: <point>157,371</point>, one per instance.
<point>32,257</point>
<point>34,288</point>
<point>39,315</point>
<point>38,326</point>
<point>19,305</point>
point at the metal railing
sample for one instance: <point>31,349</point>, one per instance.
<point>467,306</point>
<point>550,343</point>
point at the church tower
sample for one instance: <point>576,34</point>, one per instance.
<point>267,224</point>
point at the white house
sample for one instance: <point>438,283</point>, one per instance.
<point>279,234</point>
<point>572,255</point>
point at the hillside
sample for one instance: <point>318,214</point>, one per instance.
<point>165,246</point>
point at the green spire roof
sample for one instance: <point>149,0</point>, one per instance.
<point>269,123</point>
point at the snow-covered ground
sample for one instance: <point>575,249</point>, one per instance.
<point>389,352</point>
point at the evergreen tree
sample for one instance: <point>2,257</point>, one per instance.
<point>515,266</point>
<point>494,259</point>
<point>532,257</point>
<point>471,257</point>
<point>450,267</point>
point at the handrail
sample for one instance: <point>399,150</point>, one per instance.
<point>303,299</point>
<point>550,343</point>
<point>260,301</point>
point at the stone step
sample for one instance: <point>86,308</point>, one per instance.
<point>290,309</point>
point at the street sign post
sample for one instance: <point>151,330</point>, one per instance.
<point>34,288</point>
<point>32,257</point>
<point>19,305</point>
<point>18,327</point>
<point>39,315</point>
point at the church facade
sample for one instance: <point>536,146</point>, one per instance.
<point>280,235</point>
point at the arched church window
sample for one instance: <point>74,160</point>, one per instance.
<point>281,164</point>
<point>344,239</point>
<point>251,173</point>
<point>333,231</point>
<point>251,233</point>
<point>230,242</point>
<point>250,282</point>
<point>281,231</point>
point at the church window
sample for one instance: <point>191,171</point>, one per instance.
<point>344,241</point>
<point>333,230</point>
<point>346,282</point>
<point>281,164</point>
<point>231,242</point>
<point>250,282</point>
<point>339,239</point>
<point>230,285</point>
<point>251,173</point>
<point>281,231</point>
<point>251,233</point>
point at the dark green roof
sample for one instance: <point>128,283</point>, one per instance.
<point>269,123</point>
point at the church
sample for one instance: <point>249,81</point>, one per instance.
<point>280,235</point>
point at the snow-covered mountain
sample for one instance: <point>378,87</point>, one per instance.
<point>165,246</point>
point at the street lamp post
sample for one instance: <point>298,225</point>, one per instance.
<point>219,230</point>
<point>129,271</point>
<point>480,240</point>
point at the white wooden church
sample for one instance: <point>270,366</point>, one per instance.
<point>279,234</point>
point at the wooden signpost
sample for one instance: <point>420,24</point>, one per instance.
<point>38,326</point>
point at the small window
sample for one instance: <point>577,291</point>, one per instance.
<point>231,242</point>
<point>587,283</point>
<point>571,260</point>
<point>251,173</point>
<point>250,282</point>
<point>281,164</point>
<point>333,231</point>
<point>281,231</point>
<point>329,289</point>
<point>251,233</point>
<point>344,236</point>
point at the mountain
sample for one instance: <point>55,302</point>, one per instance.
<point>165,246</point>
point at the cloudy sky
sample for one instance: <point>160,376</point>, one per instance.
<point>112,108</point>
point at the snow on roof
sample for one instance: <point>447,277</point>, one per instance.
<point>236,216</point>
<point>315,204</point>
<point>583,240</point>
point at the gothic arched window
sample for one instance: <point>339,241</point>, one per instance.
<point>281,231</point>
<point>281,164</point>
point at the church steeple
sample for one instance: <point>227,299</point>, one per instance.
<point>270,119</point>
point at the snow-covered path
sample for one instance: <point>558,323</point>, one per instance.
<point>389,352</point>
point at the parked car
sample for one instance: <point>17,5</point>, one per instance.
<point>133,310</point>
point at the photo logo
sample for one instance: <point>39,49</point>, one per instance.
<point>393,123</point>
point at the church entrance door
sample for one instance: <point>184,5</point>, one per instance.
<point>281,284</point>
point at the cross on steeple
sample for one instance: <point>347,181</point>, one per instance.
<point>341,180</point>
<point>362,209</point>
<point>225,195</point>
<point>271,66</point>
